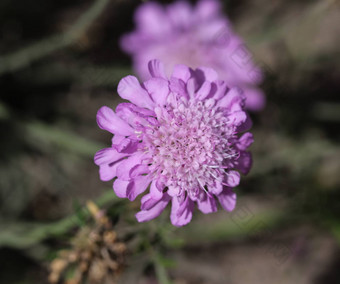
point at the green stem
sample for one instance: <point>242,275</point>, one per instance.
<point>50,135</point>
<point>161,273</point>
<point>25,235</point>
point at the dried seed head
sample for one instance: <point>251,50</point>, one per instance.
<point>95,254</point>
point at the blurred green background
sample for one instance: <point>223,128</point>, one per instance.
<point>60,61</point>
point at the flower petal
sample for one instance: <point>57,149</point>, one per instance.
<point>134,115</point>
<point>116,139</point>
<point>227,199</point>
<point>221,88</point>
<point>138,186</point>
<point>246,125</point>
<point>156,69</point>
<point>181,214</point>
<point>130,89</point>
<point>107,156</point>
<point>151,19</point>
<point>173,191</point>
<point>192,87</point>
<point>207,204</point>
<point>156,188</point>
<point>120,188</point>
<point>125,167</point>
<point>244,162</point>
<point>216,31</point>
<point>126,145</point>
<point>158,89</point>
<point>106,173</point>
<point>204,91</point>
<point>216,189</point>
<point>125,109</point>
<point>181,72</point>
<point>180,14</point>
<point>108,120</point>
<point>245,141</point>
<point>233,101</point>
<point>154,211</point>
<point>232,178</point>
<point>177,86</point>
<point>139,170</point>
<point>206,9</point>
<point>256,99</point>
<point>149,200</point>
<point>210,74</point>
<point>237,118</point>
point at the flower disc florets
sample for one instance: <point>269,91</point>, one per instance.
<point>189,145</point>
<point>181,136</point>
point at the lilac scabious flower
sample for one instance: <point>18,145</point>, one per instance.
<point>179,137</point>
<point>194,36</point>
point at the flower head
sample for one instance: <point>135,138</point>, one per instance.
<point>195,36</point>
<point>180,136</point>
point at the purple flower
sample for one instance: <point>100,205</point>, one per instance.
<point>180,137</point>
<point>194,36</point>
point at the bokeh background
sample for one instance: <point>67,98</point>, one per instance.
<point>60,61</point>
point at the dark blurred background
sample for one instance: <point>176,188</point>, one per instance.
<point>60,61</point>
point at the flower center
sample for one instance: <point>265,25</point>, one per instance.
<point>190,145</point>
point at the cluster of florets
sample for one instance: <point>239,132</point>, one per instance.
<point>178,139</point>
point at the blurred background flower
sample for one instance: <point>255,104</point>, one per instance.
<point>60,61</point>
<point>197,36</point>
